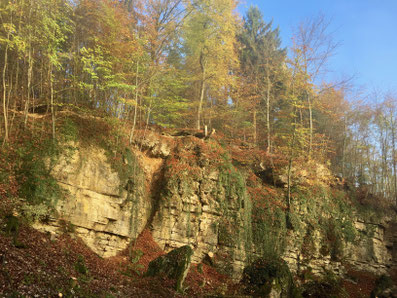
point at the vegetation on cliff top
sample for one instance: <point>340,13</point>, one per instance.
<point>180,63</point>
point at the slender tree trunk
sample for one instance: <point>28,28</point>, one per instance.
<point>16,77</point>
<point>136,105</point>
<point>210,113</point>
<point>5,92</point>
<point>290,163</point>
<point>289,183</point>
<point>289,173</point>
<point>369,162</point>
<point>383,175</point>
<point>255,128</point>
<point>30,67</point>
<point>268,149</point>
<point>202,92</point>
<point>30,73</point>
<point>344,150</point>
<point>200,108</point>
<point>11,121</point>
<point>52,100</point>
<point>300,116</point>
<point>10,90</point>
<point>394,159</point>
<point>310,125</point>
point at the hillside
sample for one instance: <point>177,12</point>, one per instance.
<point>103,209</point>
<point>176,148</point>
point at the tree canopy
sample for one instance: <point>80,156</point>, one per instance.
<point>190,64</point>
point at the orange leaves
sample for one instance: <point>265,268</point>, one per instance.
<point>264,196</point>
<point>180,166</point>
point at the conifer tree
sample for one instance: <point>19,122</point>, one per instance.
<point>261,60</point>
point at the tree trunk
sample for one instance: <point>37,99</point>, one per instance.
<point>30,73</point>
<point>52,100</point>
<point>344,150</point>
<point>310,125</point>
<point>393,139</point>
<point>30,68</point>
<point>268,149</point>
<point>255,128</point>
<point>136,105</point>
<point>200,108</point>
<point>290,162</point>
<point>5,92</point>
<point>289,184</point>
<point>202,91</point>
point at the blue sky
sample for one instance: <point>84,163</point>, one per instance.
<point>365,29</point>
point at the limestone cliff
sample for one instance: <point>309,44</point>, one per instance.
<point>190,191</point>
<point>204,203</point>
<point>104,209</point>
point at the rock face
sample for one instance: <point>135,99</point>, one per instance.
<point>371,251</point>
<point>204,204</point>
<point>191,194</point>
<point>105,211</point>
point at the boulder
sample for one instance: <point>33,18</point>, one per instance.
<point>268,277</point>
<point>174,265</point>
<point>384,288</point>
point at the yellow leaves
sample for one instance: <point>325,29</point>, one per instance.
<point>209,34</point>
<point>127,101</point>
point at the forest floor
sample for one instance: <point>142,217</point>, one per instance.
<point>360,284</point>
<point>44,267</point>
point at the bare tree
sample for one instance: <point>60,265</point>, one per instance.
<point>314,43</point>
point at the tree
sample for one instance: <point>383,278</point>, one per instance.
<point>314,45</point>
<point>293,135</point>
<point>261,60</point>
<point>34,30</point>
<point>55,27</point>
<point>7,28</point>
<point>209,36</point>
<point>386,121</point>
<point>332,114</point>
<point>161,22</point>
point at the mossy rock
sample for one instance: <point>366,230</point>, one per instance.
<point>174,265</point>
<point>383,287</point>
<point>269,275</point>
<point>330,286</point>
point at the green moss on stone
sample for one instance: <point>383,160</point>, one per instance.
<point>267,274</point>
<point>174,265</point>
